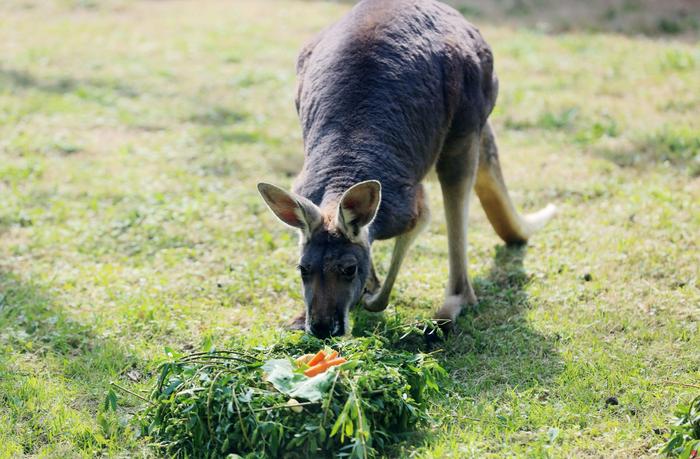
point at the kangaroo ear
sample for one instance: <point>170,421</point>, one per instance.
<point>292,209</point>
<point>358,206</point>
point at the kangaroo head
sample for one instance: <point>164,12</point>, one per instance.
<point>335,250</point>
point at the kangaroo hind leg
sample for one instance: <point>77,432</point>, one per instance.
<point>456,171</point>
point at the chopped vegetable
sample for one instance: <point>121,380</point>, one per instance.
<point>317,358</point>
<point>323,366</point>
<point>336,361</point>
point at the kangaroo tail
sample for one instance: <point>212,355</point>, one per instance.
<point>512,227</point>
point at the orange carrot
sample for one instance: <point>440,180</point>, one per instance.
<point>317,358</point>
<point>332,355</point>
<point>334,362</point>
<point>316,369</point>
<point>323,366</point>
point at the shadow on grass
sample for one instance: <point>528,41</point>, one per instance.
<point>49,358</point>
<point>218,116</point>
<point>679,148</point>
<point>88,88</point>
<point>677,145</point>
<point>494,349</point>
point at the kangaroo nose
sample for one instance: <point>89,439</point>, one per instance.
<point>320,330</point>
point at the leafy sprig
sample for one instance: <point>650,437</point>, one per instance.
<point>685,431</point>
<point>216,403</point>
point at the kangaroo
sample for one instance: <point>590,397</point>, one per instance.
<point>393,89</point>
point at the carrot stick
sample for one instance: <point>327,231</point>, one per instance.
<point>317,358</point>
<point>334,362</point>
<point>332,355</point>
<point>317,369</point>
<point>323,366</point>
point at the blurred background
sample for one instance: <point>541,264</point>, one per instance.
<point>674,18</point>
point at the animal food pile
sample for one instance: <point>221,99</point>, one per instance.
<point>300,398</point>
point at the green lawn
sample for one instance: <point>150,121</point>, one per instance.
<point>132,135</point>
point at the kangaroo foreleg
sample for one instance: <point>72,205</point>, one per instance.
<point>379,300</point>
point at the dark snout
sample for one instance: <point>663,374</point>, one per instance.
<point>323,329</point>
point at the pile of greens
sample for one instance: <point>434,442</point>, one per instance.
<point>254,403</point>
<point>685,431</point>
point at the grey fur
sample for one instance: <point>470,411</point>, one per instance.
<point>395,88</point>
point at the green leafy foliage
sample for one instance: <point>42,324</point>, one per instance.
<point>685,432</point>
<point>246,401</point>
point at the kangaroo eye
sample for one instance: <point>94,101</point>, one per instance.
<point>349,271</point>
<point>304,270</point>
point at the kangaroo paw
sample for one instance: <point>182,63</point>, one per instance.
<point>375,302</point>
<point>372,285</point>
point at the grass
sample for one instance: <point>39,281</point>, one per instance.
<point>131,138</point>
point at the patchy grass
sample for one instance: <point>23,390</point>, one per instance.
<point>131,138</point>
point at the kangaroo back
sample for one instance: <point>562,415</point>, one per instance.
<point>380,92</point>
